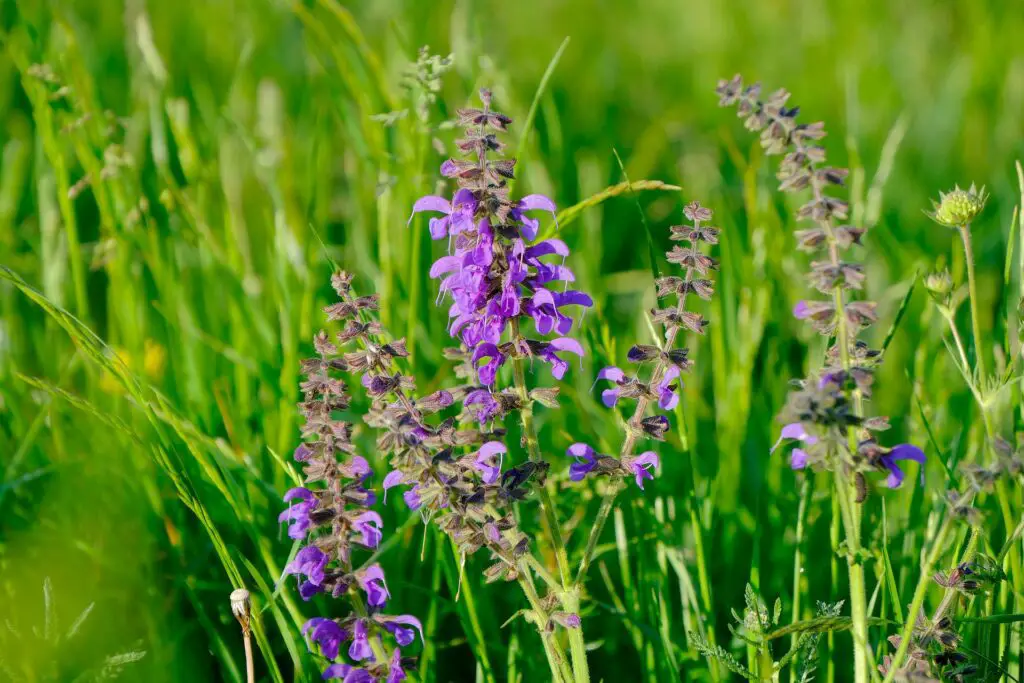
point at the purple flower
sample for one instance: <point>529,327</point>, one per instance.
<point>393,479</point>
<point>302,453</point>
<point>484,461</point>
<point>611,396</point>
<point>356,468</point>
<point>412,498</point>
<point>795,430</point>
<point>801,310</point>
<point>309,562</point>
<point>549,354</point>
<point>458,214</point>
<point>371,580</point>
<point>488,405</point>
<point>904,451</point>
<point>585,461</point>
<point>360,648</point>
<point>368,525</point>
<point>642,467</point>
<point>403,627</point>
<point>544,305</point>
<point>667,396</point>
<point>327,634</point>
<point>488,372</point>
<point>298,513</point>
<point>396,673</point>
<point>348,674</point>
<point>532,202</point>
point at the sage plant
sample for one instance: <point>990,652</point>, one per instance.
<point>827,413</point>
<point>332,513</point>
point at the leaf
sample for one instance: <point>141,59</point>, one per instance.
<point>567,216</point>
<point>900,312</point>
<point>652,252</point>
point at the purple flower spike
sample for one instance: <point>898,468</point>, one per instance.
<point>484,461</point>
<point>371,580</point>
<point>668,398</point>
<point>642,467</point>
<point>585,461</point>
<point>327,634</point>
<point>904,451</point>
<point>298,513</point>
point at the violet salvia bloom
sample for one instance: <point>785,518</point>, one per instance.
<point>334,518</point>
<point>590,462</point>
<point>497,272</point>
<point>849,375</point>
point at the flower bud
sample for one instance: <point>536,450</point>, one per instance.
<point>959,207</point>
<point>939,284</point>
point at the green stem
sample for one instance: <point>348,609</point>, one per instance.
<point>570,593</point>
<point>972,286</point>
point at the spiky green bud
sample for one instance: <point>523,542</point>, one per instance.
<point>939,283</point>
<point>958,208</point>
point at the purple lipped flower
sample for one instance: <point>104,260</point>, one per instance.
<point>298,514</point>
<point>396,673</point>
<point>368,525</point>
<point>904,451</point>
<point>488,406</point>
<point>327,634</point>
<point>668,398</point>
<point>642,466</point>
<point>412,498</point>
<point>532,202</point>
<point>302,453</point>
<point>356,468</point>
<point>488,372</point>
<point>795,430</point>
<point>309,562</point>
<point>613,374</point>
<point>558,365</point>
<point>371,580</point>
<point>403,627</point>
<point>484,461</point>
<point>360,648</point>
<point>458,214</point>
<point>391,480</point>
<point>585,461</point>
<point>801,310</point>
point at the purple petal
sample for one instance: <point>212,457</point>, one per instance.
<point>445,264</point>
<point>567,344</point>
<point>610,397</point>
<point>547,247</point>
<point>492,448</point>
<point>536,201</point>
<point>798,459</point>
<point>801,310</point>
<point>581,450</point>
<point>611,373</point>
<point>431,203</point>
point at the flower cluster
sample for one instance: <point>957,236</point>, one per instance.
<point>497,273</point>
<point>824,408</point>
<point>662,387</point>
<point>461,492</point>
<point>332,512</point>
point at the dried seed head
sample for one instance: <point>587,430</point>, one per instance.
<point>241,607</point>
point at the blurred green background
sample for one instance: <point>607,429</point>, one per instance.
<point>169,169</point>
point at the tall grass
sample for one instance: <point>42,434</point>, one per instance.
<point>176,180</point>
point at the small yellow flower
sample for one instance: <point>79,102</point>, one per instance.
<point>960,207</point>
